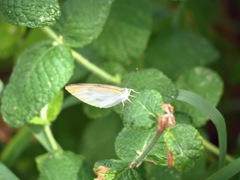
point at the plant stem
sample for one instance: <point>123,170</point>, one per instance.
<point>52,34</point>
<point>212,148</point>
<point>86,63</point>
<point>16,146</point>
<point>95,69</point>
<point>50,138</point>
<point>145,152</point>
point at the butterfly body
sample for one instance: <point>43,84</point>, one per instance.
<point>99,95</point>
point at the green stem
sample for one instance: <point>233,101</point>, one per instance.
<point>52,34</point>
<point>86,63</point>
<point>212,148</point>
<point>146,151</point>
<point>16,146</point>
<point>93,68</point>
<point>50,138</point>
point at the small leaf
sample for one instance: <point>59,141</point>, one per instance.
<point>185,144</point>
<point>82,21</point>
<point>205,83</point>
<point>142,112</point>
<point>63,165</point>
<point>115,169</point>
<point>127,30</point>
<point>6,174</point>
<point>30,13</point>
<point>179,51</point>
<point>50,111</point>
<point>39,74</point>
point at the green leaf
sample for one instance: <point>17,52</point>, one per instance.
<point>10,37</point>
<point>6,174</point>
<point>1,87</point>
<point>126,32</point>
<point>30,13</point>
<point>39,74</point>
<point>50,111</point>
<point>179,51</point>
<point>128,174</point>
<point>129,142</point>
<point>93,138</point>
<point>115,169</point>
<point>82,21</point>
<point>143,112</point>
<point>63,165</point>
<point>151,79</point>
<point>205,83</point>
<point>185,144</point>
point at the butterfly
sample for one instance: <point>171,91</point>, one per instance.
<point>99,95</point>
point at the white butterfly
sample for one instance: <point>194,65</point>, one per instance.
<point>99,95</point>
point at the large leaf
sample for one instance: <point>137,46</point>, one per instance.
<point>205,83</point>
<point>63,165</point>
<point>39,74</point>
<point>30,13</point>
<point>175,52</point>
<point>126,32</point>
<point>82,21</point>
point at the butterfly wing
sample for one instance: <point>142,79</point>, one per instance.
<point>102,96</point>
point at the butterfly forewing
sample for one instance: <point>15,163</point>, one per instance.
<point>98,95</point>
